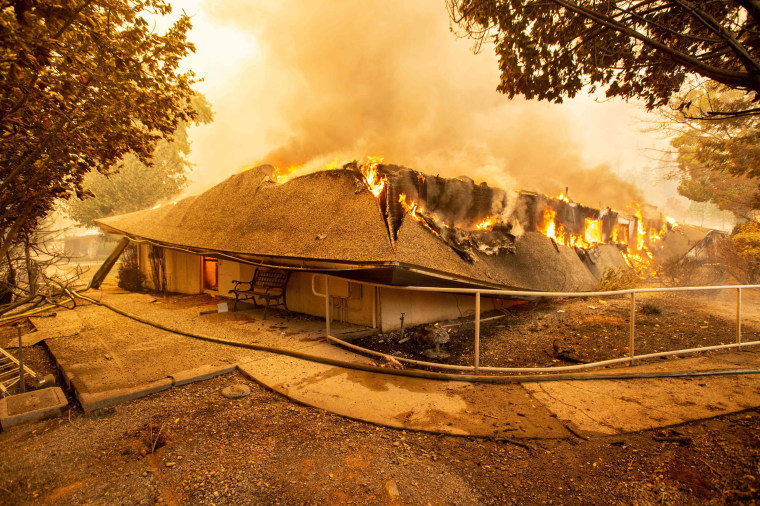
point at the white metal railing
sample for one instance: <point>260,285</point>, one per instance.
<point>523,294</point>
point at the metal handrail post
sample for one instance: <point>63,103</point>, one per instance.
<point>739,318</point>
<point>477,331</point>
<point>22,380</point>
<point>327,306</point>
<point>631,343</point>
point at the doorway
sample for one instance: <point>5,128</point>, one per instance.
<point>210,273</point>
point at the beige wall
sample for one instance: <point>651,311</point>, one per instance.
<point>351,302</point>
<point>183,270</point>
<point>426,307</point>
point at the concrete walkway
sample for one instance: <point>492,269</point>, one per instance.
<point>113,359</point>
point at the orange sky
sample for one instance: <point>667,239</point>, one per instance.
<point>318,81</point>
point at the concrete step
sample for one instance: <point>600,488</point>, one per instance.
<point>31,406</point>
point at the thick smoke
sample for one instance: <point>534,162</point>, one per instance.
<point>343,80</point>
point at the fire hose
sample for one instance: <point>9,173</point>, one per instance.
<point>470,378</point>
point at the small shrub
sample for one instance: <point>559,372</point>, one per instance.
<point>130,276</point>
<point>680,272</point>
<point>621,278</point>
<point>650,308</point>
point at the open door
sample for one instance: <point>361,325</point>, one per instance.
<point>210,273</point>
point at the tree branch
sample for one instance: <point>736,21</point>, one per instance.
<point>750,63</point>
<point>729,77</point>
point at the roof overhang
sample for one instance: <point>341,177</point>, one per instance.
<point>380,273</point>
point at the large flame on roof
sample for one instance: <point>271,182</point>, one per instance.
<point>549,228</point>
<point>634,241</point>
<point>372,178</point>
<point>281,174</point>
<point>410,207</point>
<point>592,231</point>
<point>557,232</point>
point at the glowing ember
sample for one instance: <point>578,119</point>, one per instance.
<point>485,224</point>
<point>374,182</point>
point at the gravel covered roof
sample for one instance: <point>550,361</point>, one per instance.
<point>330,215</point>
<point>325,215</point>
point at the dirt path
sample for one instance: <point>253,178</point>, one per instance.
<point>266,449</point>
<point>191,445</point>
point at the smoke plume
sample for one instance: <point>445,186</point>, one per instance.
<point>342,80</point>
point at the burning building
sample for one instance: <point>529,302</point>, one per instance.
<point>374,228</point>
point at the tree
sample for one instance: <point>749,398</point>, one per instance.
<point>739,255</point>
<point>84,83</point>
<point>131,185</point>
<point>550,49</point>
<point>716,160</point>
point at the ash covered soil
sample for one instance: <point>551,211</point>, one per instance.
<point>192,445</point>
<point>591,329</point>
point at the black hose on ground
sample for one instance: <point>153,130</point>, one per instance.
<point>469,378</point>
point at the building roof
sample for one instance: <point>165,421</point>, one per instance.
<point>329,219</point>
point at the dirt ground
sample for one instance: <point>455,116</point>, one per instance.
<point>192,445</point>
<point>594,328</point>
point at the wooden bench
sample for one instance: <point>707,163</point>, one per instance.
<point>268,284</point>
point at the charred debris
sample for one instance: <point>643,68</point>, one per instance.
<point>477,219</point>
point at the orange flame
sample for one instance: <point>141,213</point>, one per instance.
<point>556,231</point>
<point>549,228</point>
<point>641,233</point>
<point>280,175</point>
<point>410,207</point>
<point>485,224</point>
<point>592,230</point>
<point>372,178</point>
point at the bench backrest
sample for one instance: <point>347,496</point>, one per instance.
<point>274,278</point>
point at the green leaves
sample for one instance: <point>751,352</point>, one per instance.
<point>550,49</point>
<point>131,185</point>
<point>717,160</point>
<point>85,82</point>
